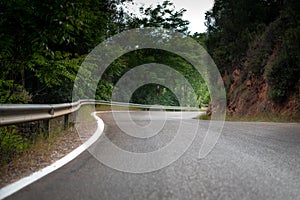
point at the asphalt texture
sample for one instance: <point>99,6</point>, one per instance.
<point>250,161</point>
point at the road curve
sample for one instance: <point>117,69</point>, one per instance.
<point>250,161</point>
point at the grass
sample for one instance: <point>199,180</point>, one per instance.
<point>109,108</point>
<point>257,118</point>
<point>41,153</point>
<point>264,118</point>
<point>203,117</point>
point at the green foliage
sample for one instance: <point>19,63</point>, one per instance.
<point>104,90</point>
<point>43,43</point>
<point>263,45</point>
<point>12,93</point>
<point>152,94</point>
<point>264,34</point>
<point>231,25</point>
<point>11,144</point>
<point>284,75</point>
<point>163,15</point>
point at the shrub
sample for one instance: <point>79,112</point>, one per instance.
<point>263,45</point>
<point>283,76</point>
<point>11,144</point>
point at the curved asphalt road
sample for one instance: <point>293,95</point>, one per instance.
<point>250,161</point>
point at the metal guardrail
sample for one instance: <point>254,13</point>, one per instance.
<point>19,113</point>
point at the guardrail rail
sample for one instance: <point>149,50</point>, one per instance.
<point>11,114</point>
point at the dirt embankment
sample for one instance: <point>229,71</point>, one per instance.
<point>247,94</point>
<point>250,97</point>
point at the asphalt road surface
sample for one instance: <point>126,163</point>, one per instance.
<point>250,161</point>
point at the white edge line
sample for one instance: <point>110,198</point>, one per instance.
<point>18,185</point>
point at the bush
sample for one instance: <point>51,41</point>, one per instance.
<point>11,144</point>
<point>283,77</point>
<point>263,45</point>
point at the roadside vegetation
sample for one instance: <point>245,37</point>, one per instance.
<point>258,118</point>
<point>19,160</point>
<point>255,45</point>
<point>20,139</point>
<point>265,118</point>
<point>44,43</point>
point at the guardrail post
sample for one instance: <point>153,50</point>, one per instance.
<point>75,114</point>
<point>46,128</point>
<point>66,121</point>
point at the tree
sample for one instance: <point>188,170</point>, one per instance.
<point>252,32</point>
<point>43,43</point>
<point>164,16</point>
<point>231,25</point>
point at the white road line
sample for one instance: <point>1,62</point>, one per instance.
<point>18,185</point>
